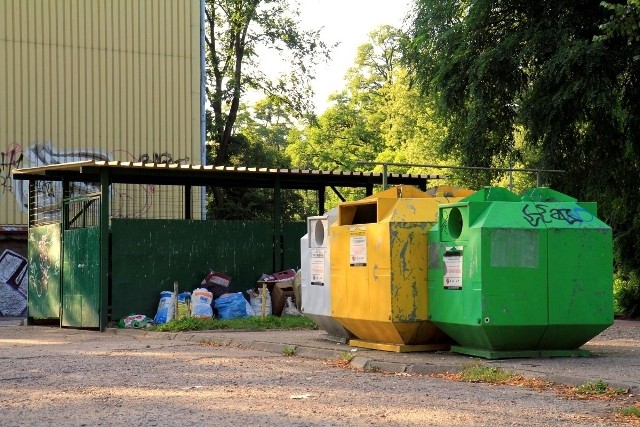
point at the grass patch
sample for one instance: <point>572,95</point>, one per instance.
<point>347,357</point>
<point>479,372</point>
<point>248,323</point>
<point>630,411</point>
<point>597,388</point>
<point>289,351</point>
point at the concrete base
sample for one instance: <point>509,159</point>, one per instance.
<point>399,348</point>
<point>495,354</point>
<point>334,338</point>
<point>330,326</point>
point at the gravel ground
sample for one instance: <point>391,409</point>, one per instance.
<point>53,376</point>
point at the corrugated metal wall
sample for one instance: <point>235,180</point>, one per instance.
<point>96,79</point>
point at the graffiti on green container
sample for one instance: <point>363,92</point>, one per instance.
<point>536,214</point>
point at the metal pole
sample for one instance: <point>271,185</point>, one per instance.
<point>105,182</point>
<point>384,177</point>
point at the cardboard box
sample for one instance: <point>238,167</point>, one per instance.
<point>279,293</point>
<point>216,278</point>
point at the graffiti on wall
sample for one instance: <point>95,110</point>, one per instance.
<point>10,158</point>
<point>49,193</point>
<point>162,158</point>
<point>42,154</point>
<point>13,284</point>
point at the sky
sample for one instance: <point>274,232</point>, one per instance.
<point>348,22</point>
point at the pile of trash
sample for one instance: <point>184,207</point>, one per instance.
<point>272,295</point>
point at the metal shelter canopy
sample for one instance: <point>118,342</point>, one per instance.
<point>218,176</point>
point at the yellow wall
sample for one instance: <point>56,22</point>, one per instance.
<point>96,79</point>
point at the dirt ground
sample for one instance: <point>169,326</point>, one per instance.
<point>52,377</point>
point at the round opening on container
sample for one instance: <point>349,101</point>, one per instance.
<point>455,223</point>
<point>319,233</point>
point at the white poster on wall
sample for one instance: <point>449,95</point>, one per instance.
<point>317,267</point>
<point>453,267</point>
<point>357,247</point>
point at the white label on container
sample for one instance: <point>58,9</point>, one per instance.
<point>317,267</point>
<point>453,268</point>
<point>357,247</point>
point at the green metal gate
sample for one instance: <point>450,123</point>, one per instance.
<point>44,272</point>
<point>81,265</point>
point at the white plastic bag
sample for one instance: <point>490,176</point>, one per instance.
<point>290,309</point>
<point>250,311</point>
<point>201,303</point>
<point>255,299</point>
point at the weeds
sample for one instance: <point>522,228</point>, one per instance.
<point>247,323</point>
<point>597,388</point>
<point>347,357</point>
<point>478,372</point>
<point>371,368</point>
<point>289,351</point>
<point>630,411</point>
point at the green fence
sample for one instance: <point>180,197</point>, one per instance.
<point>147,256</point>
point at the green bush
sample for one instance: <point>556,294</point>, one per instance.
<point>626,295</point>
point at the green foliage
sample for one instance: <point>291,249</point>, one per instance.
<point>235,32</point>
<point>254,203</point>
<point>338,141</point>
<point>626,295</point>
<point>597,388</point>
<point>249,323</point>
<point>478,372</point>
<point>289,351</point>
<point>630,411</point>
<point>378,117</point>
<point>623,23</point>
<point>347,357</point>
<point>372,369</point>
<point>267,122</point>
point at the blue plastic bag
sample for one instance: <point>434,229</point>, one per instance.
<point>231,306</point>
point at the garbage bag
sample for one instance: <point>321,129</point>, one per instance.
<point>136,321</point>
<point>255,299</point>
<point>290,309</point>
<point>231,306</point>
<point>165,308</point>
<point>201,303</point>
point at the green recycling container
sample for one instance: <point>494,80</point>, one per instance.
<point>520,276</point>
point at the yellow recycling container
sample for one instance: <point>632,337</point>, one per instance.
<point>379,268</point>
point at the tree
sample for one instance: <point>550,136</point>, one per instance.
<point>624,23</point>
<point>235,31</point>
<point>267,122</point>
<point>255,203</point>
<point>377,117</point>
